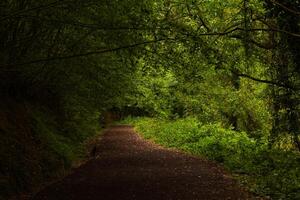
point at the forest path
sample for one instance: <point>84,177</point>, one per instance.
<point>127,167</point>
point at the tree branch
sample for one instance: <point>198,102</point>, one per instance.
<point>250,30</point>
<point>263,81</point>
<point>42,60</point>
<point>265,30</point>
<point>50,5</point>
<point>258,44</point>
<point>84,25</point>
<point>285,7</point>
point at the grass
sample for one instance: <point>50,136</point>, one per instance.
<point>268,172</point>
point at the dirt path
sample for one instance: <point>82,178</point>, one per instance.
<point>127,167</point>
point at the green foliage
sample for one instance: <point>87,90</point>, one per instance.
<point>154,91</point>
<point>34,148</point>
<point>60,146</point>
<point>269,172</point>
<point>233,65</point>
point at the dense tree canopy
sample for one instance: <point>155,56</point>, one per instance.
<point>232,62</point>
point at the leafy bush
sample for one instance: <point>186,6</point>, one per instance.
<point>269,172</point>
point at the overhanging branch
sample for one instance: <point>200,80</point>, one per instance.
<point>285,7</point>
<point>85,25</point>
<point>225,33</point>
<point>42,60</point>
<point>45,6</point>
<point>263,80</point>
<point>266,46</point>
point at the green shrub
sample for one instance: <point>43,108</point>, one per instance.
<point>270,172</point>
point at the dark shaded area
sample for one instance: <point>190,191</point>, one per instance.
<point>116,114</point>
<point>33,146</point>
<point>68,67</point>
<point>128,167</point>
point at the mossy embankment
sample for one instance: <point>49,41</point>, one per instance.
<point>38,144</point>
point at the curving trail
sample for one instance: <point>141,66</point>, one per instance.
<point>126,167</point>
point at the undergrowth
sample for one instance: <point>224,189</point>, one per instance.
<point>37,146</point>
<point>268,172</point>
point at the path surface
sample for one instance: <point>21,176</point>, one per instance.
<point>127,167</point>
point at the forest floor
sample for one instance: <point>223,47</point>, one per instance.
<point>127,167</point>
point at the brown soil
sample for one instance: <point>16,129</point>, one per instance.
<point>126,167</point>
